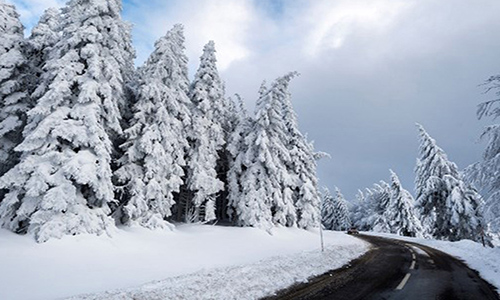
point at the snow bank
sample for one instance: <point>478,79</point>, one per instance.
<point>485,260</point>
<point>193,262</point>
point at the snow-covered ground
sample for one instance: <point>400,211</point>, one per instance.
<point>485,260</point>
<point>192,262</point>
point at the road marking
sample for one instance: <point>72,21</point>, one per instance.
<point>431,261</point>
<point>413,256</point>
<point>418,250</point>
<point>403,282</point>
<point>412,265</point>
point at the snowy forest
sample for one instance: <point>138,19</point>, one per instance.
<point>89,142</point>
<point>447,204</point>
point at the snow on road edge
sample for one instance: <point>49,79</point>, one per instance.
<point>251,281</point>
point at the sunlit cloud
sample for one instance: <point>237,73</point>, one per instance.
<point>228,23</point>
<point>331,24</point>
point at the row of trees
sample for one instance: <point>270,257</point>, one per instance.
<point>387,207</point>
<point>87,141</point>
<point>486,173</point>
<point>446,207</point>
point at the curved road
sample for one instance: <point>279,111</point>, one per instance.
<point>396,270</point>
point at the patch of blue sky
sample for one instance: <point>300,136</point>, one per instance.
<point>274,8</point>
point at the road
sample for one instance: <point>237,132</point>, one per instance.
<point>396,270</point>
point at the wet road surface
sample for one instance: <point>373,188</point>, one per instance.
<point>396,270</point>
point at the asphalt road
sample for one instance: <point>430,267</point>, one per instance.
<point>396,270</point>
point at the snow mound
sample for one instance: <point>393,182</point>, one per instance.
<point>191,262</point>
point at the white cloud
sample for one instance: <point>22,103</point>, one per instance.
<point>330,24</point>
<point>228,23</point>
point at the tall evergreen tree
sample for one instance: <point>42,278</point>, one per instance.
<point>14,99</point>
<point>282,118</point>
<point>63,182</point>
<point>335,214</point>
<point>344,221</point>
<point>328,210</point>
<point>448,208</point>
<point>359,210</point>
<point>379,199</point>
<point>152,167</point>
<point>301,185</point>
<point>263,164</point>
<point>486,173</point>
<point>236,147</point>
<point>206,139</point>
<point>400,211</point>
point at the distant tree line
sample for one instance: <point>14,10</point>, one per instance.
<point>446,206</point>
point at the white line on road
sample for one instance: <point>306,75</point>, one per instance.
<point>418,250</point>
<point>412,265</point>
<point>403,283</point>
<point>413,256</point>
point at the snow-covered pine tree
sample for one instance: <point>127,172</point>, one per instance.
<point>152,167</point>
<point>342,220</point>
<point>302,183</point>
<point>63,182</point>
<point>14,99</point>
<point>283,203</point>
<point>263,165</point>
<point>400,212</point>
<point>486,173</point>
<point>206,139</point>
<point>379,199</point>
<point>236,148</point>
<point>448,208</point>
<point>464,208</point>
<point>359,210</point>
<point>327,210</point>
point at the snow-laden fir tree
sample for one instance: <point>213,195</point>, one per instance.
<point>301,184</point>
<point>359,210</point>
<point>379,197</point>
<point>335,214</point>
<point>235,147</point>
<point>263,163</point>
<point>327,210</point>
<point>14,98</point>
<point>400,213</point>
<point>152,167</point>
<point>290,186</point>
<point>63,182</point>
<point>206,140</point>
<point>342,211</point>
<point>284,202</point>
<point>486,173</point>
<point>448,208</point>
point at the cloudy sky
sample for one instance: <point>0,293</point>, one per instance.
<point>370,69</point>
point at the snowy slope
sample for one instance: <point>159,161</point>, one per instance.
<point>191,262</point>
<point>485,260</point>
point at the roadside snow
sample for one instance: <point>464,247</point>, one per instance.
<point>192,262</point>
<point>485,260</point>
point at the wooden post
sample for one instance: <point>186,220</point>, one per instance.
<point>321,237</point>
<point>482,236</point>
